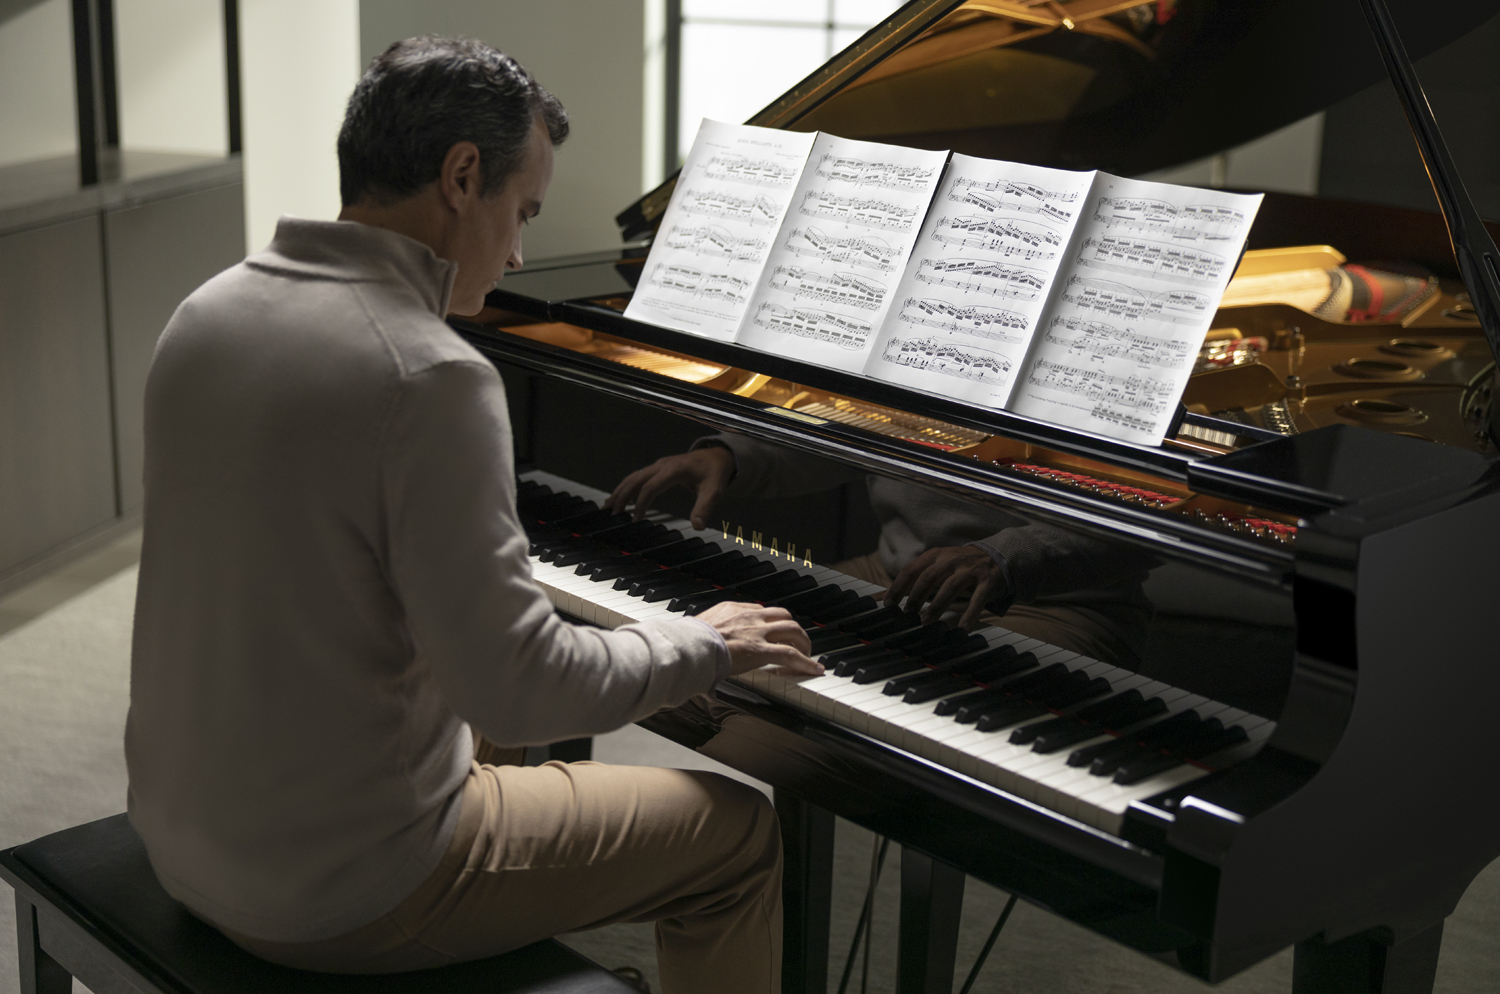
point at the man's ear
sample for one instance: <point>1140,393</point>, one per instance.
<point>459,180</point>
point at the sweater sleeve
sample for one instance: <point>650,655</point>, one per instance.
<point>765,470</point>
<point>457,563</point>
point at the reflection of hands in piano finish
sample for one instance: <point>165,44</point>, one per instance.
<point>1102,340</point>
<point>934,356</point>
<point>1005,238</point>
<point>1121,301</point>
<point>867,251</point>
<point>819,326</point>
<point>1007,195</point>
<point>714,203</point>
<point>1136,393</point>
<point>983,276</point>
<point>755,172</point>
<point>716,242</point>
<point>859,210</point>
<point>890,175</point>
<point>847,289</point>
<point>695,283</point>
<point>1195,222</point>
<point>1158,260</point>
<point>965,319</point>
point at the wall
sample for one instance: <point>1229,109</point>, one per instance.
<point>299,61</point>
<point>37,115</point>
<point>170,58</point>
<point>588,53</point>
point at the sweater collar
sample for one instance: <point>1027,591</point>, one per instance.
<point>350,252</point>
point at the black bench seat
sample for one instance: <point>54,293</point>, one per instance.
<point>89,906</point>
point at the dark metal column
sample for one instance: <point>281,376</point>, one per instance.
<point>95,89</point>
<point>1368,964</point>
<point>807,893</point>
<point>932,898</point>
<point>40,973</point>
<point>232,75</point>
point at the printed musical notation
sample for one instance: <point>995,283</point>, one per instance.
<point>1011,195</point>
<point>859,210</point>
<point>756,210</point>
<point>715,241</point>
<point>867,251</point>
<point>732,168</point>
<point>965,319</point>
<point>890,175</point>
<point>848,289</point>
<point>1121,301</point>
<point>821,326</point>
<point>1194,222</point>
<point>1136,393</point>
<point>1099,340</point>
<point>714,287</point>
<point>935,356</point>
<point>1139,257</point>
<point>983,276</point>
<point>1003,237</point>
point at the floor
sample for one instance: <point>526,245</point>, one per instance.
<point>64,687</point>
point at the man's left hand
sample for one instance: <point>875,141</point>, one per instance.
<point>938,577</point>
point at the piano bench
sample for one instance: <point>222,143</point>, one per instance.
<point>88,906</point>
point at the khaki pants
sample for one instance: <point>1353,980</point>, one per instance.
<point>545,850</point>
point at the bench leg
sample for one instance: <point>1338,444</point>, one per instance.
<point>807,893</point>
<point>40,973</point>
<point>1363,964</point>
<point>932,900</point>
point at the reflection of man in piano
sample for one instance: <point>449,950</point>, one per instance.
<point>335,589</point>
<point>937,553</point>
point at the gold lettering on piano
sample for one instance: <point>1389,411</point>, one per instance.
<point>774,550</point>
<point>791,551</point>
<point>726,527</point>
<point>739,535</point>
<point>755,540</point>
<point>807,557</point>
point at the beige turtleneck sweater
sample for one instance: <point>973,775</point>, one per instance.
<point>334,587</point>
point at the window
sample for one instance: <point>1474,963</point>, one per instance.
<point>738,56</point>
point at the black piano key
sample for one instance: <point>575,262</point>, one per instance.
<point>1102,759</point>
<point>1018,690</point>
<point>625,566</point>
<point>588,554</point>
<point>899,685</point>
<point>677,553</point>
<point>855,653</point>
<point>877,615</point>
<point>750,569</point>
<point>920,691</point>
<point>805,601</point>
<point>1120,711</point>
<point>927,638</point>
<point>595,520</point>
<point>1004,717</point>
<point>697,603</point>
<point>874,672</point>
<point>1085,691</point>
<point>709,567</point>
<point>637,536</point>
<point>835,639</point>
<point>653,592</point>
<point>892,626</point>
<point>558,506</point>
<point>1146,764</point>
<point>845,609</point>
<point>953,650</point>
<point>782,583</point>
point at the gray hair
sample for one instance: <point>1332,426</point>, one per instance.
<point>423,95</point>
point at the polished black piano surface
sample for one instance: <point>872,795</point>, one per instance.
<point>1318,537</point>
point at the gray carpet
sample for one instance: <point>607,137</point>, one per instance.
<point>64,674</point>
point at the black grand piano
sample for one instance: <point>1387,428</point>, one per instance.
<point>1297,757</point>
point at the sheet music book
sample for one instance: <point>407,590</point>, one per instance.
<point>1078,298</point>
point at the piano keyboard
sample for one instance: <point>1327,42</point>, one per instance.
<point>1078,736</point>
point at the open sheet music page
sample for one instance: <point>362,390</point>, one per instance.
<point>711,248</point>
<point>979,279</point>
<point>1149,264</point>
<point>833,269</point>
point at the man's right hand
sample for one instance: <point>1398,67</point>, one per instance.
<point>704,471</point>
<point>762,636</point>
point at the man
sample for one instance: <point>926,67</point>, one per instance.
<point>335,596</point>
<point>937,552</point>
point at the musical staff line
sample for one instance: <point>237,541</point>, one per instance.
<point>1195,222</point>
<point>1132,392</point>
<point>848,289</point>
<point>889,175</point>
<point>1010,195</point>
<point>862,211</point>
<point>868,251</point>
<point>965,319</point>
<point>821,326</point>
<point>732,168</point>
<point>1121,301</point>
<point>716,242</point>
<point>720,287</point>
<point>1141,257</point>
<point>983,276</point>
<point>934,356</point>
<point>1004,237</point>
<point>756,210</point>
<point>1098,339</point>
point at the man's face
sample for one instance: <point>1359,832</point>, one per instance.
<point>487,243</point>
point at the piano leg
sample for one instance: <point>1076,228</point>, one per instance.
<point>932,898</point>
<point>1363,964</point>
<point>807,893</point>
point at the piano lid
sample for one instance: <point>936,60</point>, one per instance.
<point>1128,86</point>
